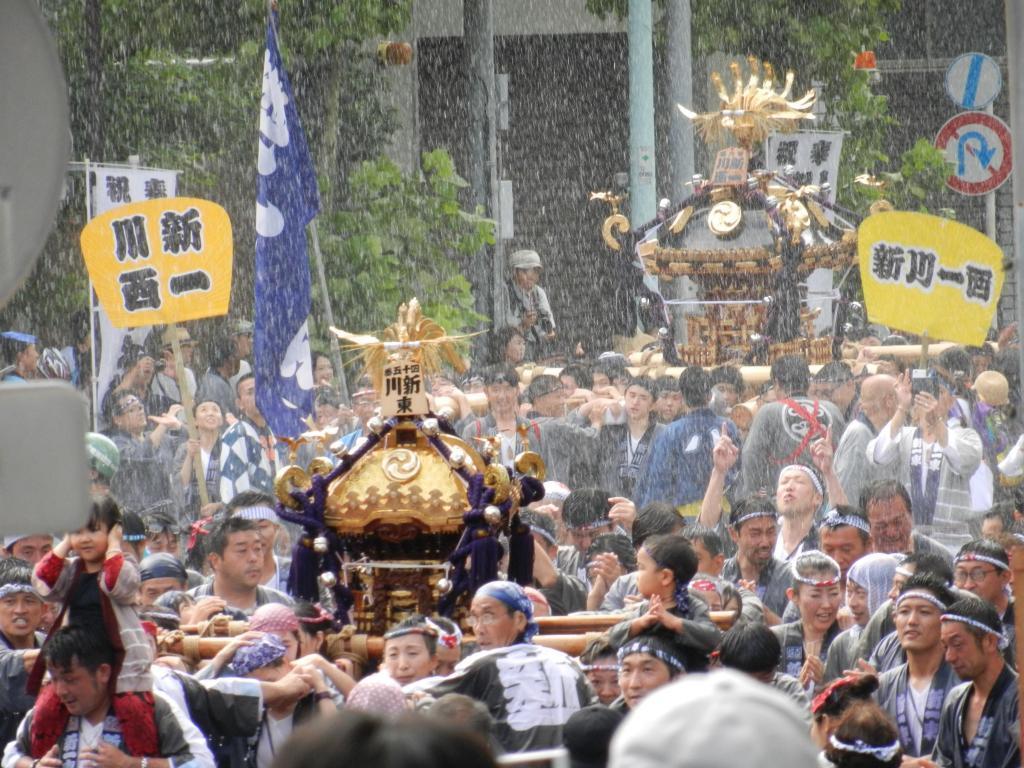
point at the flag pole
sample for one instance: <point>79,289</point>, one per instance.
<point>314,236</point>
<point>190,419</point>
<point>94,384</point>
<point>339,372</point>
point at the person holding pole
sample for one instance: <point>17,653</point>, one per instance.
<point>209,422</point>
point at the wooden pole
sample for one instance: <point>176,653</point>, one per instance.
<point>190,419</point>
<point>569,634</point>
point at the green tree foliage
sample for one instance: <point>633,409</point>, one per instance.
<point>818,40</point>
<point>178,84</point>
<point>403,236</point>
<point>923,169</point>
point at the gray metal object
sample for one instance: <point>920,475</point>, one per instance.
<point>34,126</point>
<point>43,466</point>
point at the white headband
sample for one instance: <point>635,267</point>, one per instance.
<point>928,597</point>
<point>261,512</point>
<point>969,556</point>
<point>818,582</point>
<point>760,512</point>
<point>883,753</point>
<point>1003,641</point>
<point>815,481</point>
<point>15,589</point>
<point>834,520</point>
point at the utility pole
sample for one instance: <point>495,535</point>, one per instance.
<point>478,47</point>
<point>1014,63</point>
<point>679,78</point>
<point>642,188</point>
<point>680,91</point>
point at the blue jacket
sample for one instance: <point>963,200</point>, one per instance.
<point>680,463</point>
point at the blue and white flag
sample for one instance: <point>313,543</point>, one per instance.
<point>287,199</point>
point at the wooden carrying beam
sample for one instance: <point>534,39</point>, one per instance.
<point>565,633</point>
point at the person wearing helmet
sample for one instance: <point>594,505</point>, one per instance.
<point>104,459</point>
<point>52,365</point>
<point>22,355</point>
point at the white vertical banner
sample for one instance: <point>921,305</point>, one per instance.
<point>814,156</point>
<point>112,186</point>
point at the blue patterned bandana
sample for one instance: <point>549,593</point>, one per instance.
<point>266,650</point>
<point>515,597</point>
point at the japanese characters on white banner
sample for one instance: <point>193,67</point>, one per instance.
<point>113,186</point>
<point>814,156</point>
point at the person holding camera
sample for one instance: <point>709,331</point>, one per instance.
<point>528,308</point>
<point>934,453</point>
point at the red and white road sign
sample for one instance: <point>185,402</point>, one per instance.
<point>978,146</point>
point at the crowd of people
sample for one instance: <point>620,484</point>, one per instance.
<point>829,584</point>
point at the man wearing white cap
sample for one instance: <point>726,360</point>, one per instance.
<point>31,548</point>
<point>528,308</point>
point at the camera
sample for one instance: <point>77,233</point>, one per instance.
<point>924,380</point>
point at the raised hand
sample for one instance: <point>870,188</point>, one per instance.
<point>725,453</point>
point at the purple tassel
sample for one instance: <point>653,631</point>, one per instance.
<point>532,490</point>
<point>303,577</point>
<point>485,553</point>
<point>520,554</point>
<point>344,600</point>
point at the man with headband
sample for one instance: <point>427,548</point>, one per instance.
<point>160,573</point>
<point>259,508</point>
<point>878,642</point>
<point>913,692</point>
<point>845,536</point>
<point>236,558</point>
<point>21,616</point>
<point>530,691</point>
<point>754,527</point>
<point>784,432</point>
<point>646,663</point>
<point>982,568</point>
<point>799,494</point>
<point>979,727</point>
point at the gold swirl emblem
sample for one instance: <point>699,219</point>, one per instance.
<point>725,218</point>
<point>496,477</point>
<point>289,479</point>
<point>530,463</point>
<point>616,223</point>
<point>401,465</point>
<point>321,465</point>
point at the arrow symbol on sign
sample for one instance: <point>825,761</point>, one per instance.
<point>983,153</point>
